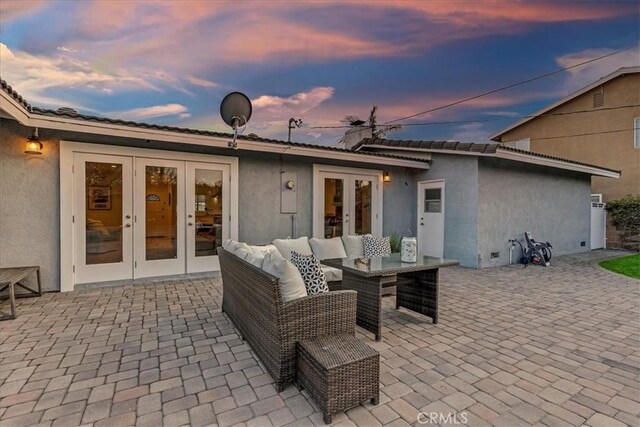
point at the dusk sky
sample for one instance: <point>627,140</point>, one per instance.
<point>172,62</point>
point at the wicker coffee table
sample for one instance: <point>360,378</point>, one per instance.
<point>417,285</point>
<point>339,372</point>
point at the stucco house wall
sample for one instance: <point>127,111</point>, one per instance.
<point>460,205</point>
<point>30,196</point>
<point>553,205</point>
<point>29,204</point>
<point>606,146</point>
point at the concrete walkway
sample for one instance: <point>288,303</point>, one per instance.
<point>514,347</point>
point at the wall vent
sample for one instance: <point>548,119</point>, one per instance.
<point>495,255</point>
<point>598,99</point>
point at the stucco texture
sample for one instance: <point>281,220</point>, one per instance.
<point>29,203</point>
<point>30,196</point>
<point>513,198</point>
<point>460,205</point>
<point>605,137</point>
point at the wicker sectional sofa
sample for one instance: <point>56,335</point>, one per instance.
<point>252,300</point>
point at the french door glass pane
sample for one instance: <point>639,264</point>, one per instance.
<point>363,207</point>
<point>333,201</point>
<point>161,212</point>
<point>103,208</point>
<point>208,211</point>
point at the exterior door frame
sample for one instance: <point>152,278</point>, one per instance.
<point>67,207</point>
<point>348,174</point>
<point>421,186</point>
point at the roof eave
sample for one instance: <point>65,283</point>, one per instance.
<point>33,119</point>
<point>516,155</point>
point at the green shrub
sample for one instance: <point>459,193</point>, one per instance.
<point>625,211</point>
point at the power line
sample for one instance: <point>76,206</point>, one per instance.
<point>559,136</point>
<point>471,98</point>
<point>583,134</point>
<point>493,119</point>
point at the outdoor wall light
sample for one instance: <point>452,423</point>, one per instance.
<point>386,177</point>
<point>33,145</point>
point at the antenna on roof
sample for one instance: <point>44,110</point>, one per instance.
<point>293,123</point>
<point>235,110</point>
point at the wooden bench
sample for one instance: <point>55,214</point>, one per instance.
<point>9,277</point>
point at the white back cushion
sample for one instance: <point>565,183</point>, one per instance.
<point>234,247</point>
<point>250,257</point>
<point>300,245</point>
<point>291,282</point>
<point>327,248</point>
<point>263,250</point>
<point>226,244</point>
<point>354,246</point>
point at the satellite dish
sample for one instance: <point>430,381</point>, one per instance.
<point>235,110</point>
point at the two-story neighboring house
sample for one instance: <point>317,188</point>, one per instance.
<point>597,124</point>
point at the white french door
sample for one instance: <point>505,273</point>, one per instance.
<point>159,217</point>
<point>208,201</point>
<point>135,217</point>
<point>102,221</point>
<point>346,202</point>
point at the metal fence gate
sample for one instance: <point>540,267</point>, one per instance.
<point>598,226</point>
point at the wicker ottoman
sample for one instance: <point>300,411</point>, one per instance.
<point>339,372</point>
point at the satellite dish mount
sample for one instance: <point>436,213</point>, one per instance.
<point>235,110</point>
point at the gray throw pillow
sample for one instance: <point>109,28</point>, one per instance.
<point>376,246</point>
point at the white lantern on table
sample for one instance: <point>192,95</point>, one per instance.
<point>409,249</point>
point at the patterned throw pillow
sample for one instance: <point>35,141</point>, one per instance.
<point>312,274</point>
<point>376,246</point>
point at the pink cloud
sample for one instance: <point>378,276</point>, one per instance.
<point>13,9</point>
<point>152,112</point>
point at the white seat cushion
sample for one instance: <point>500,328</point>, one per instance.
<point>327,248</point>
<point>331,273</point>
<point>300,245</point>
<point>289,278</point>
<point>250,256</point>
<point>354,246</point>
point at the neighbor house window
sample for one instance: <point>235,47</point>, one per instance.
<point>636,132</point>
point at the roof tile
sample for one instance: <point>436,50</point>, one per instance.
<point>453,146</point>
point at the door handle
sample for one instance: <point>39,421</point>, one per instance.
<point>127,216</point>
<point>190,224</point>
<point>190,216</point>
<point>127,225</point>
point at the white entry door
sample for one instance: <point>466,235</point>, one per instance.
<point>102,219</point>
<point>431,218</point>
<point>159,218</point>
<point>208,202</point>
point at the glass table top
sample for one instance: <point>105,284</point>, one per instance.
<point>379,266</point>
